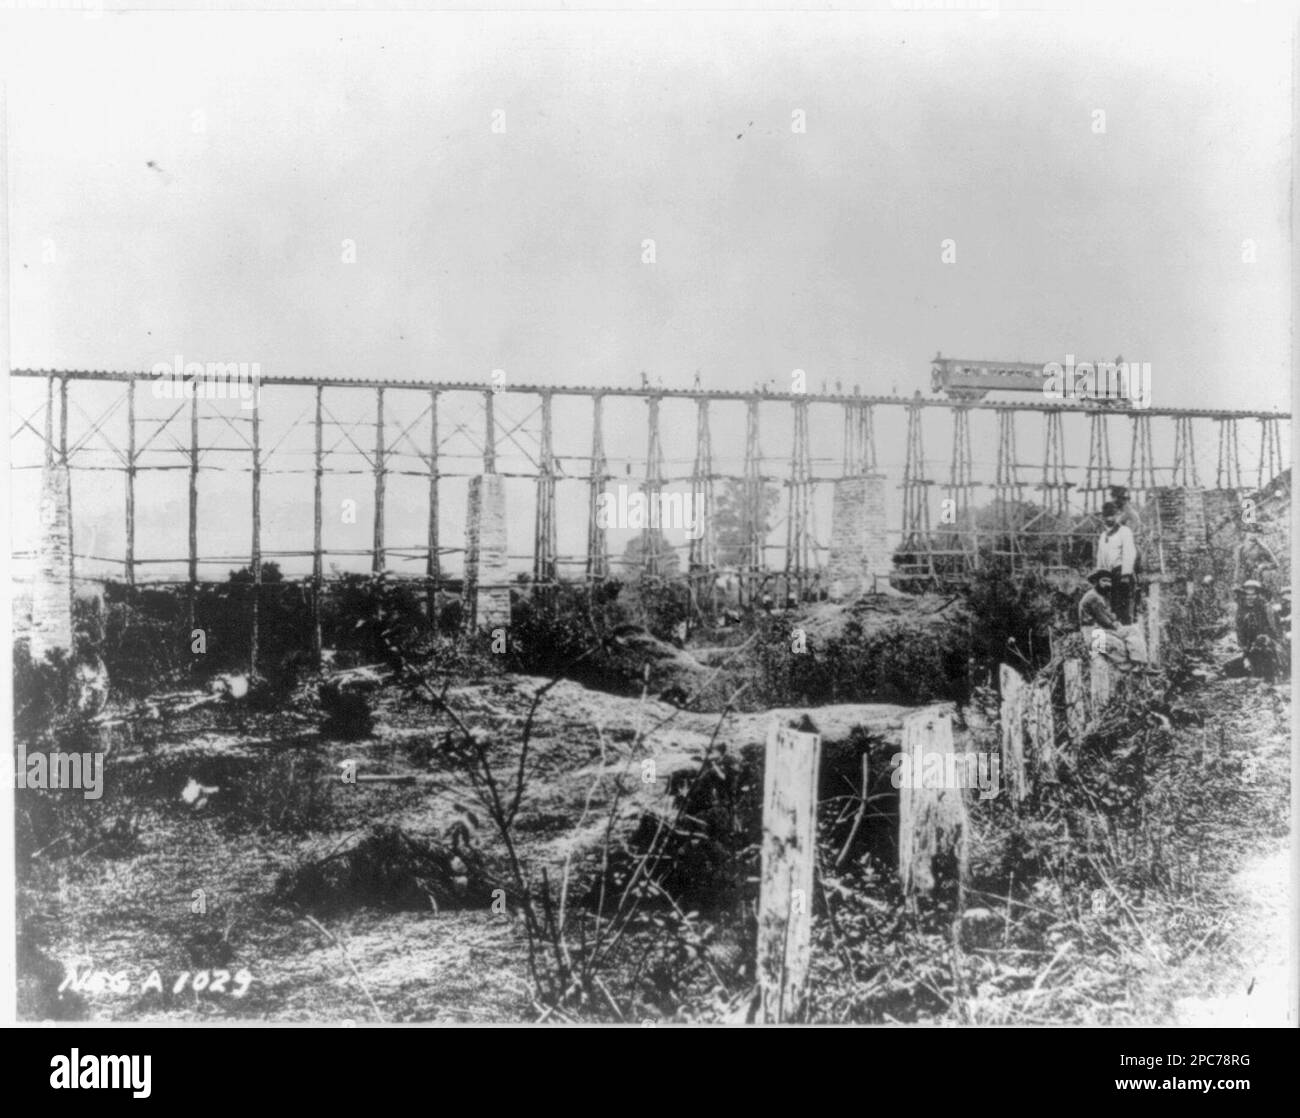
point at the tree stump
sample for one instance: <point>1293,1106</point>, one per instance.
<point>1013,730</point>
<point>788,862</point>
<point>1076,705</point>
<point>931,815</point>
<point>1044,732</point>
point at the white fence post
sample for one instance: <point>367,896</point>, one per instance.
<point>789,857</point>
<point>1013,730</point>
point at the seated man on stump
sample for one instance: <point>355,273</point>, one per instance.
<point>1122,645</point>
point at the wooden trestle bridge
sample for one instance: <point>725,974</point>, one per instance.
<point>379,432</point>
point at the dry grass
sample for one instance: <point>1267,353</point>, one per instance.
<point>1106,901</point>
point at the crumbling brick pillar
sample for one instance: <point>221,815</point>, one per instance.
<point>1223,518</point>
<point>1180,540</point>
<point>1180,528</point>
<point>861,559</point>
<point>51,625</point>
<point>487,595</point>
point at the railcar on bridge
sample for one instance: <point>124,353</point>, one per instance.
<point>973,380</point>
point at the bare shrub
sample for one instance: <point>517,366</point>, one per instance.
<point>389,867</point>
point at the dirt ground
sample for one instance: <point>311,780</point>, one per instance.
<point>196,889</point>
<point>175,910</point>
<point>1256,986</point>
<point>1240,973</point>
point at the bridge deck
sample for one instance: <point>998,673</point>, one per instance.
<point>658,392</point>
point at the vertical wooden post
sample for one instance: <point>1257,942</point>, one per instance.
<point>1029,715</point>
<point>1102,681</point>
<point>597,559</point>
<point>317,555</point>
<point>755,543</point>
<point>800,556</point>
<point>130,482</point>
<point>931,814</point>
<point>49,421</point>
<point>377,549</point>
<point>490,436</point>
<point>432,562</point>
<point>1013,730</point>
<point>788,860</point>
<point>67,492</point>
<point>1044,731</point>
<point>544,539</point>
<point>63,420</point>
<point>1076,710</point>
<point>652,537</point>
<point>702,556</point>
<point>193,511</point>
<point>1155,608</point>
<point>256,558</point>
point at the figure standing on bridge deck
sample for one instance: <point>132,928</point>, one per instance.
<point>1117,553</point>
<point>1257,635</point>
<point>1123,645</point>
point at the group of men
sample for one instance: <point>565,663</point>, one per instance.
<point>1108,609</point>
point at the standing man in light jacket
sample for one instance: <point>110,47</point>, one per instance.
<point>1129,517</point>
<point>1117,553</point>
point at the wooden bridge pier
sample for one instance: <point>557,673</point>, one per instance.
<point>948,548</point>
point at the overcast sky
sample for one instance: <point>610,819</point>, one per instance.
<point>441,195</point>
<point>186,183</point>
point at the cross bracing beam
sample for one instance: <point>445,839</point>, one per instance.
<point>439,432</point>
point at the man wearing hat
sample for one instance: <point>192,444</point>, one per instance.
<point>1127,513</point>
<point>1105,636</point>
<point>1128,516</point>
<point>1117,553</point>
<point>1256,635</point>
